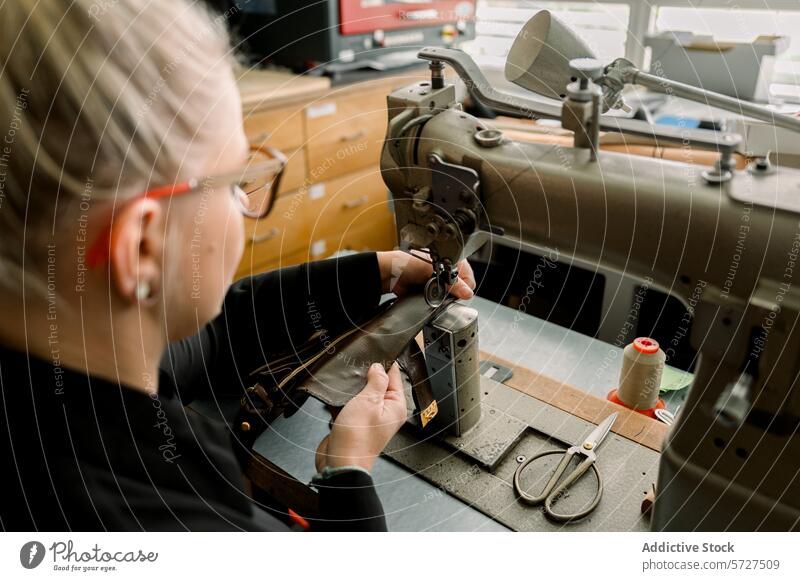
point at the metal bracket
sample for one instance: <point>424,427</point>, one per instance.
<point>455,202</point>
<point>519,106</point>
<point>454,186</point>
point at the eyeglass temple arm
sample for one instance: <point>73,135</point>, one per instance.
<point>277,154</point>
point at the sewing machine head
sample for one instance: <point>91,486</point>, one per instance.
<point>456,182</point>
<point>440,209</point>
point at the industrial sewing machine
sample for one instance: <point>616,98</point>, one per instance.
<point>732,459</point>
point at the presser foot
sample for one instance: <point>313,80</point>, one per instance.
<point>437,288</point>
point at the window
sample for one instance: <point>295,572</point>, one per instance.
<point>617,28</point>
<point>742,25</point>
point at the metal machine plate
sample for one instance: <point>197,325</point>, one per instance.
<point>627,468</point>
<point>491,440</point>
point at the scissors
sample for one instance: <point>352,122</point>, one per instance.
<point>552,489</point>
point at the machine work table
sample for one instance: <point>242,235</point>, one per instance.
<point>579,371</point>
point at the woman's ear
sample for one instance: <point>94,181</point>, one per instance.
<point>137,245</point>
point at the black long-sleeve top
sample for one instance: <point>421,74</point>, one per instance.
<point>82,453</point>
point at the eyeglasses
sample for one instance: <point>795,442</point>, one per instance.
<point>255,190</point>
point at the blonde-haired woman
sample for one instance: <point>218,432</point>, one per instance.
<point>121,225</point>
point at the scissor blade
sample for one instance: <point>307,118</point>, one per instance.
<point>601,431</point>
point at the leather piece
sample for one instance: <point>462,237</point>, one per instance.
<point>335,371</point>
<point>412,363</point>
<point>274,392</point>
<point>381,340</point>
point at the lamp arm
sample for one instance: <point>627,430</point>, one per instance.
<point>623,72</point>
<point>519,106</point>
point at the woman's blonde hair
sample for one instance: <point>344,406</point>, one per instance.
<point>96,101</point>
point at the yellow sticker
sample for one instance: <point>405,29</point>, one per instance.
<point>429,413</point>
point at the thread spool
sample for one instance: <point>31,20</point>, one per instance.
<point>640,378</point>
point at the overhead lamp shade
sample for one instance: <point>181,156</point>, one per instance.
<point>539,58</point>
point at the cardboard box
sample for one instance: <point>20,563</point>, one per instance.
<point>740,70</point>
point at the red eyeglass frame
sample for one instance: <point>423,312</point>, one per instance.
<point>99,251</point>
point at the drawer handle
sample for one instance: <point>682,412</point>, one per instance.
<point>353,136</point>
<point>350,204</point>
<point>261,137</point>
<point>268,235</point>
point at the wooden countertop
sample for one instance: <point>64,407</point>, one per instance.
<point>262,88</point>
<point>268,88</point>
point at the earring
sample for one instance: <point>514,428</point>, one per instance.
<point>142,291</point>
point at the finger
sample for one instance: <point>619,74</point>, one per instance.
<point>417,271</point>
<point>465,272</point>
<point>425,268</point>
<point>461,290</point>
<point>395,385</point>
<point>377,381</point>
<point>394,408</point>
<point>321,457</point>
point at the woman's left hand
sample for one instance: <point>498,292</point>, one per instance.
<point>401,272</point>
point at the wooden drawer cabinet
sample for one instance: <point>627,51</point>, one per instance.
<point>345,134</point>
<point>294,175</point>
<point>283,232</point>
<point>328,159</point>
<point>332,197</point>
<point>281,128</point>
<point>348,213</point>
<point>377,236</point>
<point>353,202</point>
<point>342,115</point>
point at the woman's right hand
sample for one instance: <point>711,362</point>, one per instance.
<point>367,423</point>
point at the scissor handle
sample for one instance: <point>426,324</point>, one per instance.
<point>540,498</point>
<point>579,471</point>
<point>551,492</point>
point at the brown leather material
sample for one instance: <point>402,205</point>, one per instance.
<point>335,371</point>
<point>382,340</point>
<point>412,363</point>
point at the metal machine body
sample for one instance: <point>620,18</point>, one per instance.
<point>457,183</point>
<point>453,362</point>
<point>451,355</point>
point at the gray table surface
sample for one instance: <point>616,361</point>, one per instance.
<point>412,504</point>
